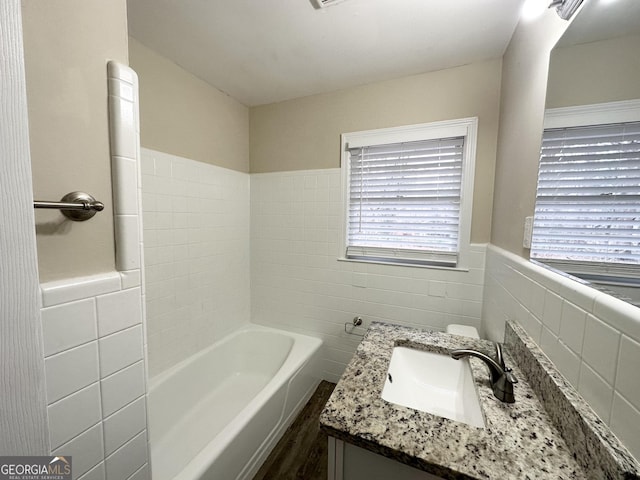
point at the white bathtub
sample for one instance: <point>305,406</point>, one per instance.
<point>218,414</point>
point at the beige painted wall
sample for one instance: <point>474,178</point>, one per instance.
<point>67,44</point>
<point>597,72</point>
<point>524,83</point>
<point>182,115</point>
<point>305,133</point>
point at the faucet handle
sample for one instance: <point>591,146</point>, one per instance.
<point>510,376</point>
<point>499,355</point>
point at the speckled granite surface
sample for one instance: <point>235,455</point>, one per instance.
<point>519,441</point>
<point>596,448</point>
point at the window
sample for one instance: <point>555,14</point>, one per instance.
<point>587,214</point>
<point>408,193</point>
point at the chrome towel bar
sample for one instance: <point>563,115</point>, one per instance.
<point>76,206</point>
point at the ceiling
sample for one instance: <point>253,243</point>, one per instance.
<point>265,51</point>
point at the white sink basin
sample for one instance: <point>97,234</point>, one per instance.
<point>433,383</point>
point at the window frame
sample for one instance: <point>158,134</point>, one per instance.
<point>624,111</point>
<point>467,127</point>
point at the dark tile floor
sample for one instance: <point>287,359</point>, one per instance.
<point>301,454</point>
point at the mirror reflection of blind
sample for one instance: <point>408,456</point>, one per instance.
<point>404,200</point>
<point>588,200</point>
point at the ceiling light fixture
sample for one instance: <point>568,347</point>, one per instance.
<point>532,9</point>
<point>324,3</point>
<point>566,8</point>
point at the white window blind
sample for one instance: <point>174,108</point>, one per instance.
<point>404,201</point>
<point>588,201</point>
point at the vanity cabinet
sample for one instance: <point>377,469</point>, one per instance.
<point>349,462</point>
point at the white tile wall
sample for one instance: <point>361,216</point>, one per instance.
<point>69,325</point>
<point>627,378</point>
<point>71,370</point>
<point>600,348</point>
<point>196,230</point>
<point>96,473</point>
<point>120,350</point>
<point>69,289</point>
<point>94,378</point>
<point>124,424</point>
<point>94,331</point>
<point>596,391</point>
<point>86,450</point>
<point>572,326</point>
<point>126,461</point>
<point>298,284</point>
<point>624,422</point>
<point>122,388</point>
<point>119,310</point>
<point>592,338</point>
<point>124,133</point>
<point>74,414</point>
<point>142,474</point>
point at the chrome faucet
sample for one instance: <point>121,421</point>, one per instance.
<point>502,379</point>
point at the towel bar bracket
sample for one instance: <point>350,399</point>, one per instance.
<point>76,206</point>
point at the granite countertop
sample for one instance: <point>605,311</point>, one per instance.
<point>519,441</point>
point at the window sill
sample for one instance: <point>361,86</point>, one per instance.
<point>400,264</point>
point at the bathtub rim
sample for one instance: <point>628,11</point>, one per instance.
<point>156,381</point>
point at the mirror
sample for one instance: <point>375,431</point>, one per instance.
<point>597,61</point>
